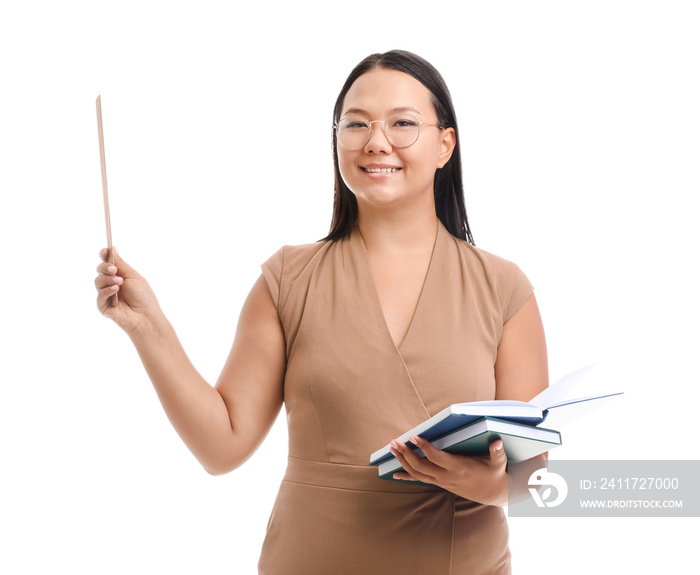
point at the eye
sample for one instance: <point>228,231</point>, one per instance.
<point>404,123</point>
<point>354,124</point>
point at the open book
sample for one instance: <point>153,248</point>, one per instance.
<point>548,408</point>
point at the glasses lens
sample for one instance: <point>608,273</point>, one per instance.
<point>353,132</point>
<point>402,130</point>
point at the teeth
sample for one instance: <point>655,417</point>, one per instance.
<point>380,170</point>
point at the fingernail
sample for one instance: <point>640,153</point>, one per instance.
<point>118,280</point>
<point>394,445</point>
<point>499,445</point>
<point>112,269</point>
<point>414,440</point>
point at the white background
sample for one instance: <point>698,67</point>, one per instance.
<point>580,131</point>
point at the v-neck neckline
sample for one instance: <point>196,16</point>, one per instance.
<point>375,294</point>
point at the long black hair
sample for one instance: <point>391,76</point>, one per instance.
<point>447,186</point>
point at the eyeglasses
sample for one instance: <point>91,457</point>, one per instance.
<point>401,130</point>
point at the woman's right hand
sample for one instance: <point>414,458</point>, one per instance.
<point>137,301</point>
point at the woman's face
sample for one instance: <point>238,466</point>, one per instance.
<point>376,95</point>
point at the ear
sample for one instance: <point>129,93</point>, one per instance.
<point>448,141</point>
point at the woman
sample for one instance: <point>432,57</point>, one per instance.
<point>363,335</point>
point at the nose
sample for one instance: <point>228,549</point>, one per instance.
<point>378,141</point>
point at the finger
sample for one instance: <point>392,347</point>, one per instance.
<point>432,453</point>
<point>106,268</point>
<point>406,471</point>
<point>416,466</point>
<point>410,473</point>
<point>124,268</point>
<point>103,297</point>
<point>497,453</point>
<point>403,476</point>
<point>104,281</point>
<point>105,253</point>
<point>109,291</point>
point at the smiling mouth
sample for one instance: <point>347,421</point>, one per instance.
<point>380,170</point>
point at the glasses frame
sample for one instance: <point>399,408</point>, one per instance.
<point>336,126</point>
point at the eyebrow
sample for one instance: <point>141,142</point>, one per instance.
<point>361,112</point>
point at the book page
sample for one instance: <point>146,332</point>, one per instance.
<point>557,392</point>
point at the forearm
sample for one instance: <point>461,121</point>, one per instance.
<point>195,408</point>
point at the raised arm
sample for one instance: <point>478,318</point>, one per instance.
<point>223,425</point>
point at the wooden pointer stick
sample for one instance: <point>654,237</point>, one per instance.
<point>108,223</point>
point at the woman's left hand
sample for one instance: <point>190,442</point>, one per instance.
<point>478,478</point>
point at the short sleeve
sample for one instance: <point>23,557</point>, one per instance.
<point>520,291</point>
<point>272,272</point>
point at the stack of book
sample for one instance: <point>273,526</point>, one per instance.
<point>469,428</point>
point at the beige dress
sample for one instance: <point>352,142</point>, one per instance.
<point>349,390</point>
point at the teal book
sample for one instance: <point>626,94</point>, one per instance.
<point>520,441</point>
